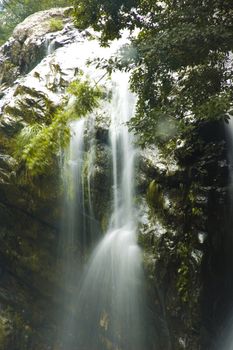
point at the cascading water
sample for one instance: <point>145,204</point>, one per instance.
<point>78,224</point>
<point>105,304</point>
<point>72,226</point>
<point>110,303</point>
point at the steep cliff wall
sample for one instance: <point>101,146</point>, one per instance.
<point>182,197</point>
<point>187,247</point>
<point>29,208</point>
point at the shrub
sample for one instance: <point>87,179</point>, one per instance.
<point>56,24</point>
<point>37,145</point>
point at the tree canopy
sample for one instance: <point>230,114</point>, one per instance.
<point>181,62</point>
<point>182,71</point>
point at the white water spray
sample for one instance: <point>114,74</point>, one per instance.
<point>110,303</point>
<point>106,306</point>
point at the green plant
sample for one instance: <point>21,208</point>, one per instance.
<point>182,284</point>
<point>178,66</point>
<point>37,145</point>
<point>56,24</point>
<point>86,96</point>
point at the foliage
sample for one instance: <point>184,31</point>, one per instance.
<point>37,145</point>
<point>14,11</point>
<point>183,252</point>
<point>25,136</point>
<point>7,25</point>
<point>86,96</point>
<point>23,8</point>
<point>55,24</point>
<point>183,69</point>
<point>107,16</point>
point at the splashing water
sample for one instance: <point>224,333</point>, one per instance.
<point>106,303</point>
<point>110,302</point>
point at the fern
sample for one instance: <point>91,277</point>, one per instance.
<point>37,145</point>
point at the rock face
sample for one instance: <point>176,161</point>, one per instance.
<point>29,213</point>
<point>34,81</point>
<point>184,236</point>
<point>182,198</point>
<point>29,43</point>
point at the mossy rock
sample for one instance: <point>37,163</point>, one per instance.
<point>4,332</point>
<point>8,72</point>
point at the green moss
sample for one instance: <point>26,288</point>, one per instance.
<point>154,195</point>
<point>3,333</point>
<point>104,223</point>
<point>68,12</point>
<point>155,199</point>
<point>183,273</point>
<point>56,24</point>
<point>21,329</point>
<point>9,72</point>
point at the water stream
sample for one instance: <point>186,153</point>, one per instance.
<point>104,298</point>
<point>110,302</point>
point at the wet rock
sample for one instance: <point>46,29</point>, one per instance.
<point>102,127</point>
<point>179,194</point>
<point>10,125</point>
<point>101,183</point>
<point>26,48</point>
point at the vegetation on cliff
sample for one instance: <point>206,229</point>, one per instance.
<point>13,12</point>
<point>182,70</point>
<point>37,145</point>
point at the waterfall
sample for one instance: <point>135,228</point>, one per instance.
<point>72,227</point>
<point>110,302</point>
<point>103,297</point>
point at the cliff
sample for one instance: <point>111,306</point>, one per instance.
<point>182,196</point>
